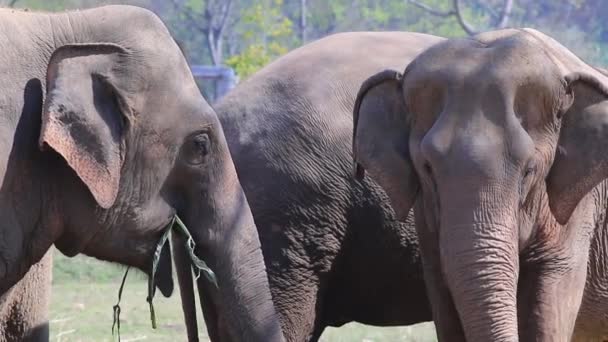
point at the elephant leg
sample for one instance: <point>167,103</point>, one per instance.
<point>296,297</point>
<point>592,320</point>
<point>445,316</point>
<point>549,298</point>
<point>25,307</point>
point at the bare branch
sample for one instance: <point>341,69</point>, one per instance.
<point>457,11</point>
<point>431,10</point>
<point>193,21</point>
<point>212,48</point>
<point>505,14</point>
<point>470,30</point>
<point>207,23</point>
<point>303,21</point>
<point>215,30</point>
<point>227,12</point>
<point>209,14</point>
<point>488,8</point>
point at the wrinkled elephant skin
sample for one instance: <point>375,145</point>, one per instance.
<point>334,251</point>
<point>105,137</point>
<point>499,144</point>
<point>24,315</point>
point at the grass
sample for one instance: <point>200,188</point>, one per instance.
<point>85,290</point>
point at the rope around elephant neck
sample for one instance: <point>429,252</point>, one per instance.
<point>198,264</point>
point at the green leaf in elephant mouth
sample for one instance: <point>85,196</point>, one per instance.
<point>198,264</point>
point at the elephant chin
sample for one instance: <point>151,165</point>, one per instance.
<point>164,272</point>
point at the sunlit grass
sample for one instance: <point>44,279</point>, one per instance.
<point>85,290</point>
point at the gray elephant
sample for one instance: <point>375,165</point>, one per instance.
<point>333,249</point>
<point>105,137</point>
<point>24,308</point>
<point>498,142</point>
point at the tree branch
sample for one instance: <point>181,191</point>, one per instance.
<point>470,30</point>
<point>193,21</point>
<point>431,10</point>
<point>500,21</point>
<point>212,48</point>
<point>215,32</point>
<point>205,24</point>
<point>303,21</point>
<point>505,14</point>
<point>12,3</point>
<point>488,9</point>
<point>227,12</point>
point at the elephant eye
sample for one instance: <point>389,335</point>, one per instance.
<point>529,171</point>
<point>202,144</point>
<point>198,146</point>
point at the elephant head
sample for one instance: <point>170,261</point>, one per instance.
<point>487,137</point>
<point>130,142</point>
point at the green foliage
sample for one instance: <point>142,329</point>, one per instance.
<point>258,31</point>
<point>195,5</point>
<point>265,32</point>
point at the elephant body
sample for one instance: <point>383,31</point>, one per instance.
<point>24,308</point>
<point>498,143</point>
<point>105,138</point>
<point>592,319</point>
<point>334,251</point>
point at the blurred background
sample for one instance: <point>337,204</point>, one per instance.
<point>247,34</point>
<point>228,40</point>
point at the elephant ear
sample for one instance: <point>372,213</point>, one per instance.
<point>380,139</point>
<point>84,115</point>
<point>581,161</point>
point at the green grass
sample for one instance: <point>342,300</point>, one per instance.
<point>85,290</point>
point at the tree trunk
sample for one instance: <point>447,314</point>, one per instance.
<point>303,21</point>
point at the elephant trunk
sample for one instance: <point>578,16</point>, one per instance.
<point>241,307</point>
<point>221,223</point>
<point>481,270</point>
<point>186,288</point>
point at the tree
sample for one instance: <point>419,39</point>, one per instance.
<point>498,18</point>
<point>303,21</point>
<point>266,33</point>
<point>211,18</point>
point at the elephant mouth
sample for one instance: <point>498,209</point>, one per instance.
<point>165,224</point>
<point>198,264</point>
<point>160,269</point>
<point>161,265</point>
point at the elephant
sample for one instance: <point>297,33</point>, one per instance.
<point>105,139</point>
<point>24,308</point>
<point>498,144</point>
<point>333,249</point>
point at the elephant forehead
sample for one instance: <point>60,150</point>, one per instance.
<point>508,61</point>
